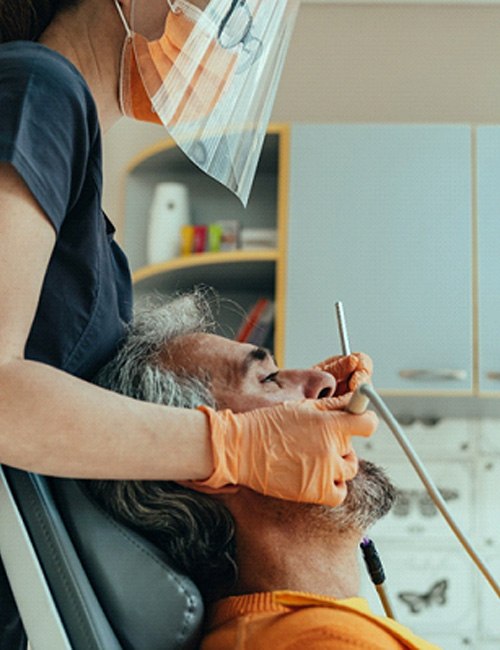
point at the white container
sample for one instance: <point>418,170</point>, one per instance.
<point>169,212</point>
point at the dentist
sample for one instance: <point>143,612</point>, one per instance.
<point>69,69</point>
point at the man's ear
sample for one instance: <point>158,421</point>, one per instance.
<point>204,489</point>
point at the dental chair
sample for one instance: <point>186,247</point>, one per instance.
<point>83,581</point>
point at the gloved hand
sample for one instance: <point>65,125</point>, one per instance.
<point>350,371</point>
<point>299,451</point>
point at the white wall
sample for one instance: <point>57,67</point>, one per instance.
<point>393,63</point>
<point>367,63</point>
<point>432,584</point>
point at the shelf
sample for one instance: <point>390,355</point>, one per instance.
<point>241,271</point>
<point>209,201</point>
<point>204,259</point>
<point>166,150</point>
<point>238,277</point>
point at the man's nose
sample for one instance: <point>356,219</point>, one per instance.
<point>319,384</point>
<point>313,384</point>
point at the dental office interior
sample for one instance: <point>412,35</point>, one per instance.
<point>378,186</point>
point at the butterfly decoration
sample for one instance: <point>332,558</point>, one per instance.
<point>418,602</point>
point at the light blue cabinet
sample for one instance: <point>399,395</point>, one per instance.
<point>380,218</point>
<point>488,220</point>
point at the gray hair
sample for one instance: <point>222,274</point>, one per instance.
<point>136,370</point>
<point>196,531</point>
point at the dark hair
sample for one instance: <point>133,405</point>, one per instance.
<point>195,530</point>
<point>25,20</point>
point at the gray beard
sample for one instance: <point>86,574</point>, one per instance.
<point>370,496</point>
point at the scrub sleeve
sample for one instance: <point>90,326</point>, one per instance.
<point>49,132</point>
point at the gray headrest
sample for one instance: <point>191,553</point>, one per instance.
<point>149,605</point>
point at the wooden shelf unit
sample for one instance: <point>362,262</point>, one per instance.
<point>241,276</point>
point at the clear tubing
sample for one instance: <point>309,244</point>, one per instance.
<point>368,391</point>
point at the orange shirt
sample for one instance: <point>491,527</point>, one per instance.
<point>291,620</point>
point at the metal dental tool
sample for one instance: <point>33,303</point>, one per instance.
<point>365,394</point>
<point>344,339</point>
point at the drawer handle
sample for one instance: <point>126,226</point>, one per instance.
<point>495,376</point>
<point>442,374</point>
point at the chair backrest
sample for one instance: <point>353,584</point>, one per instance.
<point>113,589</point>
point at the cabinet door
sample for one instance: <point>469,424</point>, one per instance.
<point>380,219</point>
<point>488,197</point>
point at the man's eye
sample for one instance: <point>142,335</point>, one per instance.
<point>272,377</point>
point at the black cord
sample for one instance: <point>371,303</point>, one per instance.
<point>376,572</point>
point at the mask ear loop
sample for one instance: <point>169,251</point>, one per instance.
<point>128,39</point>
<point>123,19</point>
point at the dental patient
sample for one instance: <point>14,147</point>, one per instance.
<point>275,574</point>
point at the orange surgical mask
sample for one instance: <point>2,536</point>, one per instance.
<point>147,65</point>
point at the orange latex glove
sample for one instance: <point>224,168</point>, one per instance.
<point>350,371</point>
<point>299,451</point>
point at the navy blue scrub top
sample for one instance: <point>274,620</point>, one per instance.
<point>50,133</point>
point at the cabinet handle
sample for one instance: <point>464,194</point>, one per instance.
<point>495,376</point>
<point>442,374</point>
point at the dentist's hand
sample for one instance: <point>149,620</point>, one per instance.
<point>350,371</point>
<point>300,451</point>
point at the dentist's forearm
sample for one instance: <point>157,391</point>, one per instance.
<point>53,423</point>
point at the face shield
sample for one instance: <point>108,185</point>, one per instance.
<point>209,71</point>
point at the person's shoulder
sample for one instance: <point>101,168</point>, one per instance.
<point>25,64</point>
<point>29,57</point>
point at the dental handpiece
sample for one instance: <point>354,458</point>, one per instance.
<point>363,395</point>
<point>344,339</point>
<point>359,402</point>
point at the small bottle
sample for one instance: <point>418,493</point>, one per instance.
<point>168,214</point>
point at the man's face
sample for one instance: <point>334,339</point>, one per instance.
<point>244,377</point>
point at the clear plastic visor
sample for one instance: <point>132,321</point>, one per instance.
<point>211,70</point>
